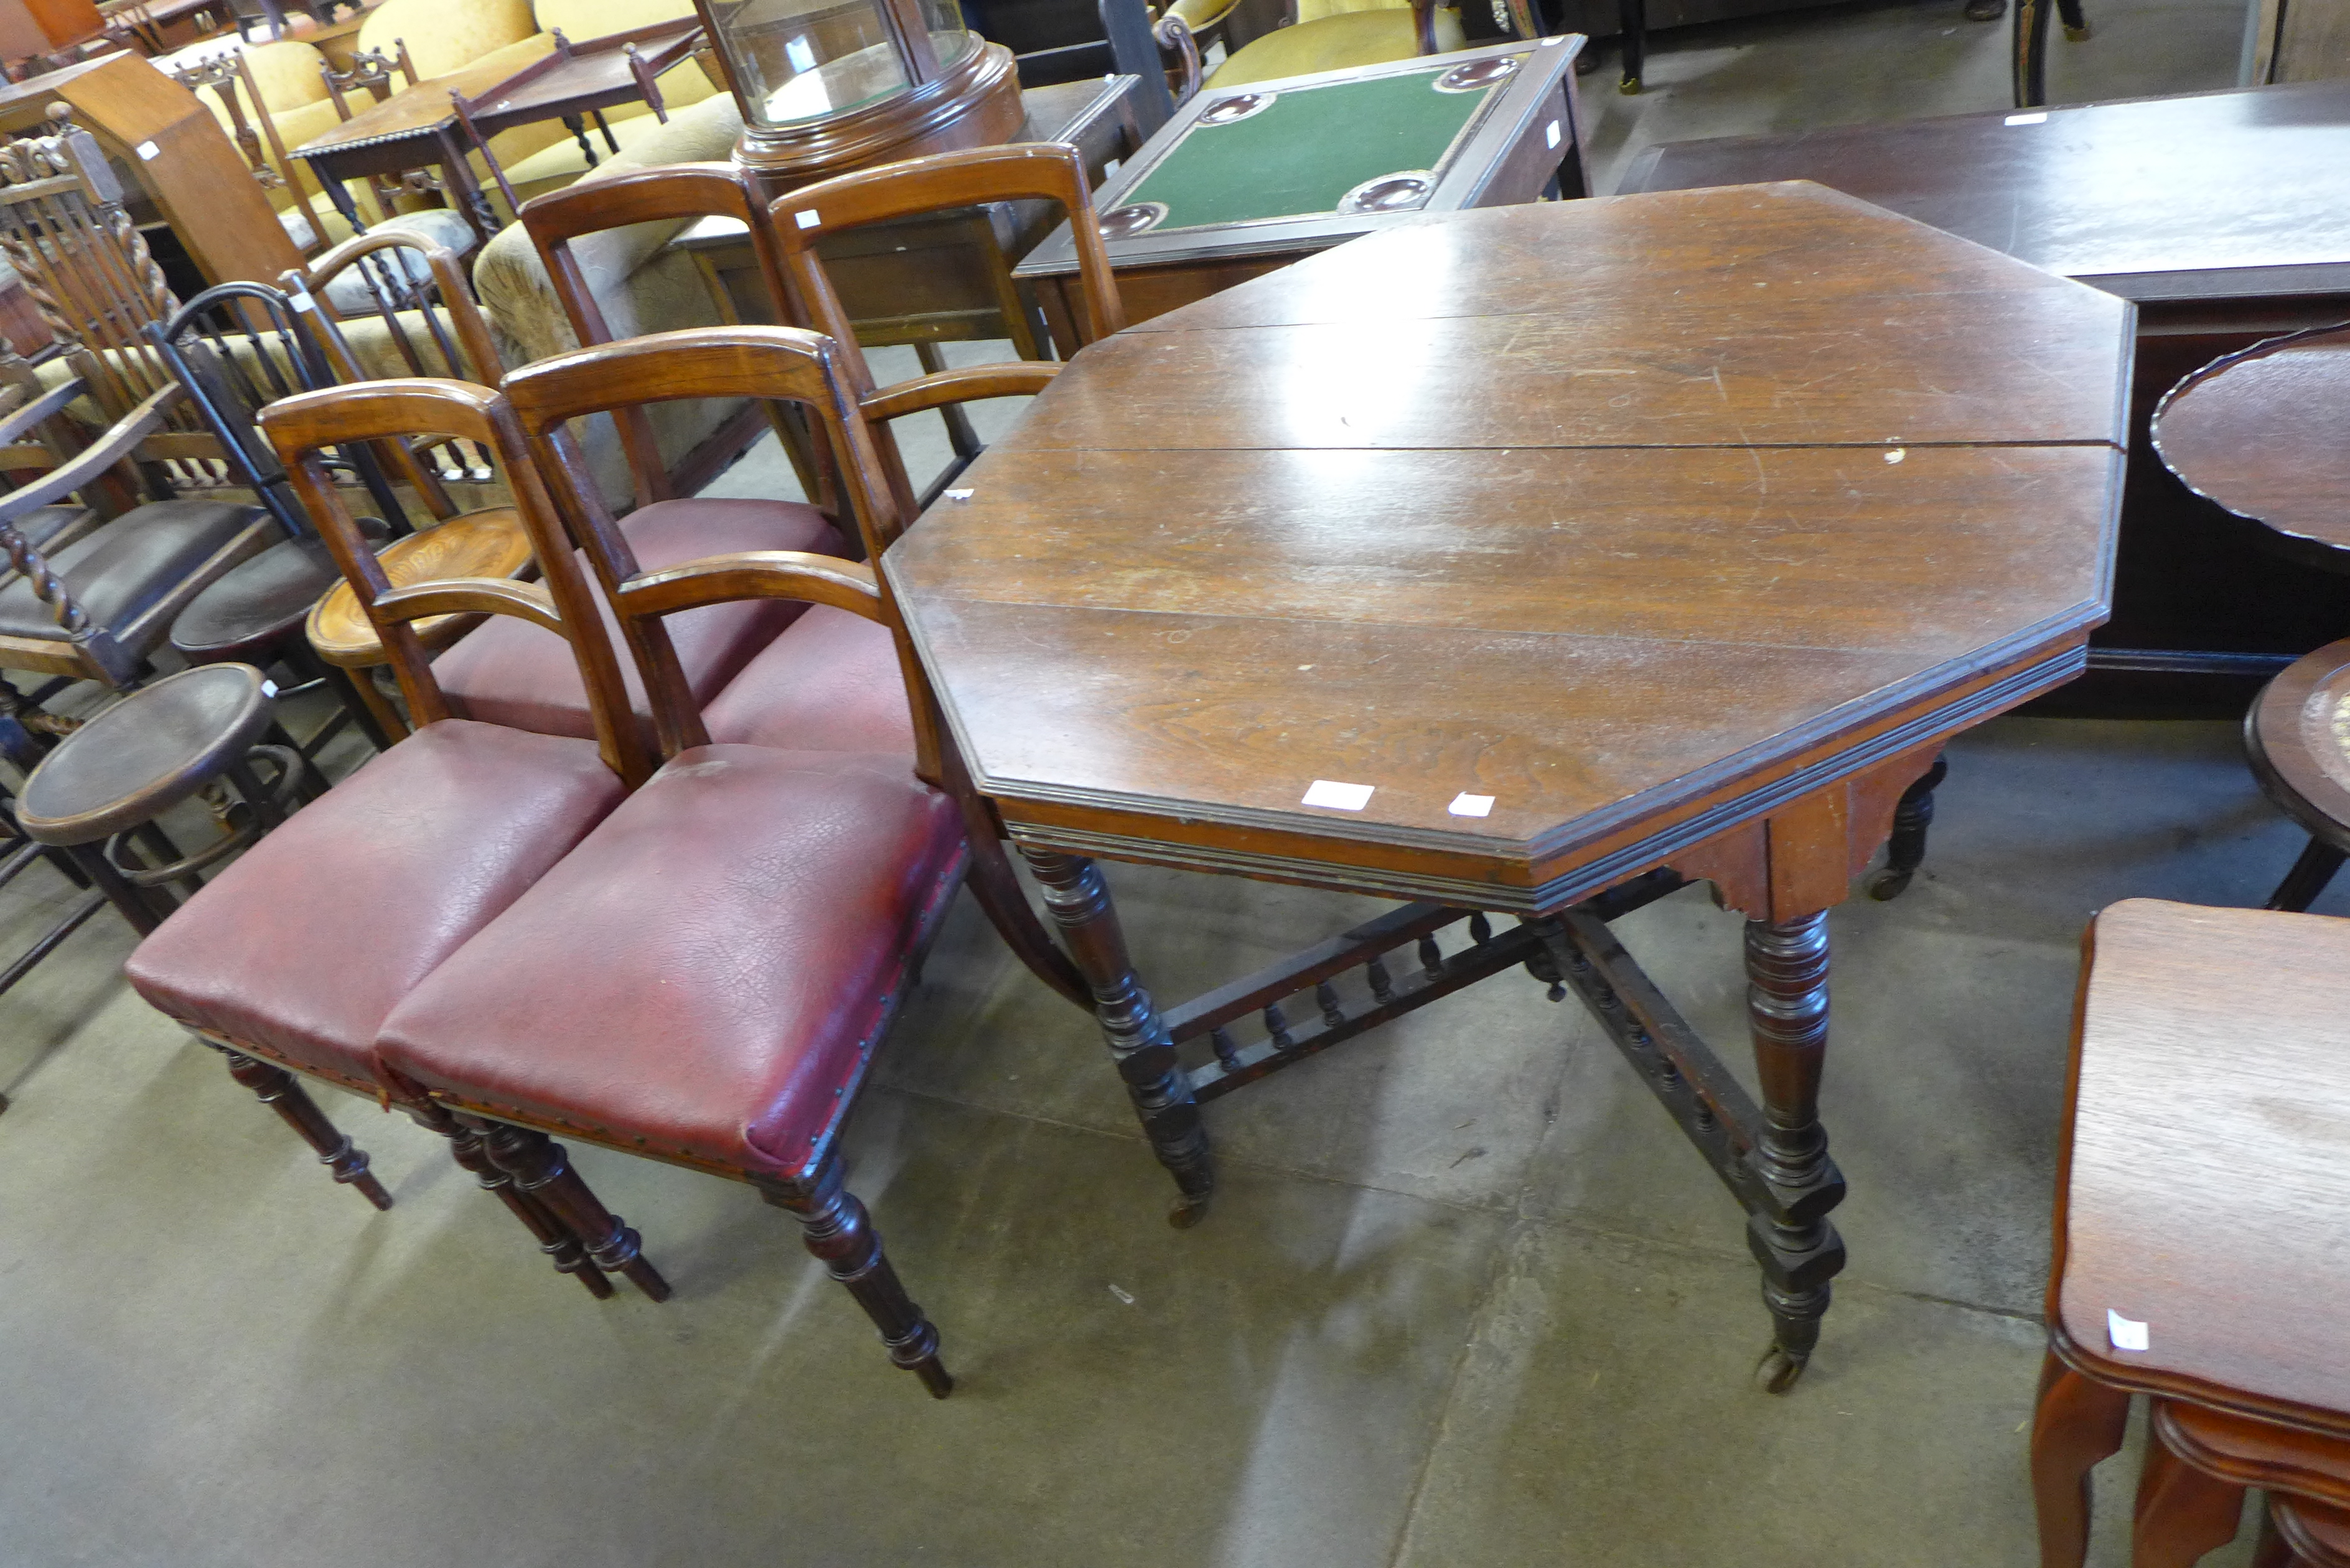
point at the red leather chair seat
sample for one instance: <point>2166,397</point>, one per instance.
<point>510,672</point>
<point>703,978</point>
<point>829,683</point>
<point>299,950</point>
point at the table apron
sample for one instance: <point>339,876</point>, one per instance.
<point>1765,848</point>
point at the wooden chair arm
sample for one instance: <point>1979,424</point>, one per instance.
<point>473,595</point>
<point>755,574</point>
<point>102,454</point>
<point>1012,378</point>
<point>20,424</point>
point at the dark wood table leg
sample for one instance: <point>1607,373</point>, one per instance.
<point>1800,1251</point>
<point>339,193</point>
<point>2029,47</point>
<point>458,176</point>
<point>577,124</point>
<point>1136,1035</point>
<point>1907,849</point>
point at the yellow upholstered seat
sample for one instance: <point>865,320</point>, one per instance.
<point>1336,40</point>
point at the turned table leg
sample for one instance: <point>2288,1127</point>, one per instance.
<point>1800,1253</point>
<point>1137,1036</point>
<point>1907,849</point>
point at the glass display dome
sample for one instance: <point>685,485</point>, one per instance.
<point>798,61</point>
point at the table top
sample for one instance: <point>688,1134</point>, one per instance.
<point>418,111</point>
<point>598,68</point>
<point>2239,194</point>
<point>1633,515</point>
<point>1310,160</point>
<point>2260,433</point>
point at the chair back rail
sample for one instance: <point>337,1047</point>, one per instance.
<point>237,347</point>
<point>669,193</point>
<point>302,427</point>
<point>773,363</point>
<point>808,369</point>
<point>1022,172</point>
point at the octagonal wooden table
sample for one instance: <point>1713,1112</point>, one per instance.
<point>1531,560</point>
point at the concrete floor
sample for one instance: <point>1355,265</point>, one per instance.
<point>1465,1298</point>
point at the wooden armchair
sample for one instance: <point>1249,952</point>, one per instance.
<point>1035,171</point>
<point>97,607</point>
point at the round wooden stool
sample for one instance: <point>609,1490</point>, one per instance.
<point>486,544</point>
<point>256,614</point>
<point>2256,432</point>
<point>107,783</point>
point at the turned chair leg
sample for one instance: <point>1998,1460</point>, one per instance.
<point>2181,1513</point>
<point>273,1086</point>
<point>840,1233</point>
<point>555,1239</point>
<point>2076,1423</point>
<point>2308,878</point>
<point>542,1171</point>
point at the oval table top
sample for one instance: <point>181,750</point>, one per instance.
<point>1615,521</point>
<point>2260,433</point>
<point>486,544</point>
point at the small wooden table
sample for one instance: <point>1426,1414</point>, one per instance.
<point>1244,180</point>
<point>414,128</point>
<point>1531,560</point>
<point>2225,216</point>
<point>581,79</point>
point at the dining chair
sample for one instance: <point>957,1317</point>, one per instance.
<point>1025,171</point>
<point>560,223</point>
<point>836,678</point>
<point>394,302</point>
<point>2200,1226</point>
<point>705,980</point>
<point>291,958</point>
<point>512,673</point>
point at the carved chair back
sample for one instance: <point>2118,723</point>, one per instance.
<point>1024,171</point>
<point>393,303</point>
<point>229,75</point>
<point>669,193</point>
<point>304,428</point>
<point>373,71</point>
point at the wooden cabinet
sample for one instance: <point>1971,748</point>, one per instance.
<point>173,148</point>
